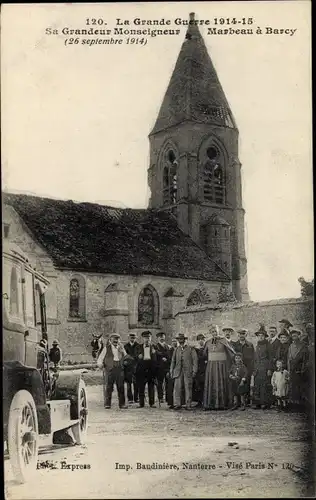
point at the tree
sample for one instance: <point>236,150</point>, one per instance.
<point>307,287</point>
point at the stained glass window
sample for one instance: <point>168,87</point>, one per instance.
<point>74,298</point>
<point>77,298</point>
<point>148,306</point>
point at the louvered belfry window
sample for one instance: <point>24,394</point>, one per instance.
<point>170,178</point>
<point>214,182</point>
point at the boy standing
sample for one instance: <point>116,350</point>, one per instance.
<point>238,378</point>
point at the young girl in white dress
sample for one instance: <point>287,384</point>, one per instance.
<point>280,385</point>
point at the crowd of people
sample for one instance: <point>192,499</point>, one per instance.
<point>216,374</point>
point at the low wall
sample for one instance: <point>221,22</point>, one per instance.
<point>196,319</point>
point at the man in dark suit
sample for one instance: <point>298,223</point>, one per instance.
<point>273,340</point>
<point>183,369</point>
<point>111,359</point>
<point>174,344</point>
<point>132,349</point>
<point>146,370</point>
<point>247,351</point>
<point>198,383</point>
<point>163,352</point>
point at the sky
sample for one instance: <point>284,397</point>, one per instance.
<point>75,118</point>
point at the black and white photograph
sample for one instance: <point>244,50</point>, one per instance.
<point>157,250</point>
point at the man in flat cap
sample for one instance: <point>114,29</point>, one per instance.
<point>198,383</point>
<point>146,370</point>
<point>228,331</point>
<point>111,359</point>
<point>163,365</point>
<point>183,369</point>
<point>131,347</point>
<point>247,351</point>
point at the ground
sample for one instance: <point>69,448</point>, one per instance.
<point>120,438</point>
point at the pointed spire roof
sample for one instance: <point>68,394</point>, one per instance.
<point>194,92</point>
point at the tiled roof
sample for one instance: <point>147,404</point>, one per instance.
<point>97,238</point>
<point>194,92</point>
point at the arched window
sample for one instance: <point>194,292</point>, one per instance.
<point>170,178</point>
<point>213,171</point>
<point>148,306</point>
<point>77,298</point>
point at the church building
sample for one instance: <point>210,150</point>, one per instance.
<point>114,269</point>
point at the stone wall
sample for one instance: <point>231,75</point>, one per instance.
<point>109,311</point>
<point>196,319</point>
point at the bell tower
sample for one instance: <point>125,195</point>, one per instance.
<point>194,167</point>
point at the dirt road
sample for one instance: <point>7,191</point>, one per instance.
<point>208,454</point>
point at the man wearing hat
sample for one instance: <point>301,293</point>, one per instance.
<point>198,383</point>
<point>163,365</point>
<point>298,355</point>
<point>247,350</point>
<point>306,335</point>
<point>273,340</point>
<point>55,354</point>
<point>183,369</point>
<point>111,360</point>
<point>174,344</point>
<point>146,370</point>
<point>282,349</point>
<point>131,348</point>
<point>262,370</point>
<point>285,323</point>
<point>228,332</point>
<point>310,334</point>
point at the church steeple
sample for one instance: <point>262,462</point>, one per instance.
<point>193,30</point>
<point>194,167</point>
<point>194,91</point>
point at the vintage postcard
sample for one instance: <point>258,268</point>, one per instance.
<point>157,227</point>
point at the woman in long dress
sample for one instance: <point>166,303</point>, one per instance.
<point>219,354</point>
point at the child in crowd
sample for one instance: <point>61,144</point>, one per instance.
<point>238,379</point>
<point>280,385</point>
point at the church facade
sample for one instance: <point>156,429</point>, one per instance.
<point>125,270</point>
